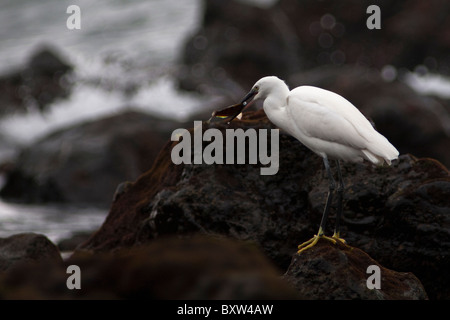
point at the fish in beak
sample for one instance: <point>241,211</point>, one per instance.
<point>234,111</point>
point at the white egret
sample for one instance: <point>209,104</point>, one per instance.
<point>326,123</point>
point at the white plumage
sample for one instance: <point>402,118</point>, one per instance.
<point>324,121</point>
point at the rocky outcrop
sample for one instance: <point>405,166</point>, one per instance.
<point>25,249</point>
<point>208,267</point>
<point>242,42</point>
<point>224,231</point>
<point>170,268</point>
<point>339,271</point>
<point>398,215</point>
<point>411,34</point>
<point>84,164</point>
<point>41,81</point>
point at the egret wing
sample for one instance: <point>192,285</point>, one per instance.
<point>315,119</point>
<point>328,116</point>
<point>338,104</point>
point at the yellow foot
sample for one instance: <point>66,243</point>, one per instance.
<point>336,236</point>
<point>313,241</point>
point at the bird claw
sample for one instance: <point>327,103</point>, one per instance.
<point>336,236</point>
<point>313,241</point>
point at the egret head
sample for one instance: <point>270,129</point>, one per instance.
<point>262,88</point>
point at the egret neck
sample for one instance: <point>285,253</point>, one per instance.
<point>275,104</point>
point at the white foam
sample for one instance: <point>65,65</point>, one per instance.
<point>88,102</point>
<point>429,84</point>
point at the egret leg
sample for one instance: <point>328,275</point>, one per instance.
<point>320,234</point>
<point>340,195</point>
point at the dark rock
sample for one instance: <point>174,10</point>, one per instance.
<point>70,243</point>
<point>44,62</point>
<point>197,268</point>
<point>338,271</point>
<point>40,82</point>
<point>26,248</point>
<point>396,214</point>
<point>413,123</point>
<point>84,164</point>
<point>412,33</point>
<point>243,43</point>
<point>237,41</point>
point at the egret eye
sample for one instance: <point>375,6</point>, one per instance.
<point>256,88</point>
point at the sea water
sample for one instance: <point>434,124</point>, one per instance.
<point>121,44</point>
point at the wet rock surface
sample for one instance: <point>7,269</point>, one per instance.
<point>328,271</point>
<point>239,42</point>
<point>171,268</point>
<point>337,33</point>
<point>243,42</point>
<point>71,243</point>
<point>42,80</point>
<point>25,249</point>
<point>205,267</point>
<point>398,215</point>
<point>85,163</point>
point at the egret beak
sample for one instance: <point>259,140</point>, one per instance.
<point>249,96</point>
<point>235,110</point>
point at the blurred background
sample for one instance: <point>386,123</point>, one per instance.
<point>83,110</point>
